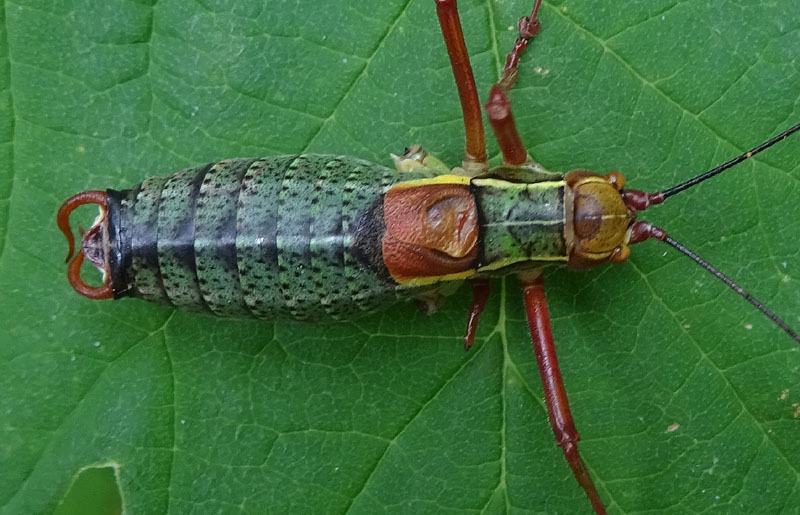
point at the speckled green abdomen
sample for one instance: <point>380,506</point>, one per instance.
<point>279,237</point>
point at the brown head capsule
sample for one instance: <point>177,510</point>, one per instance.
<point>600,219</point>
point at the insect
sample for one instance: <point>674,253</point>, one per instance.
<point>311,237</point>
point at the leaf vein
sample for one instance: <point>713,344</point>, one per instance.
<point>359,76</point>
<point>5,206</point>
<point>639,75</point>
<point>414,416</point>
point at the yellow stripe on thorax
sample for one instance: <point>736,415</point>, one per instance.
<point>499,183</point>
<point>439,179</point>
<point>425,281</point>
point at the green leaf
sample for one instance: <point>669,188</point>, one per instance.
<point>686,397</point>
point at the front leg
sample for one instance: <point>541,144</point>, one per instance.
<point>554,392</point>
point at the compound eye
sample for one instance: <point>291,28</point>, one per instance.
<point>620,254</point>
<point>616,179</point>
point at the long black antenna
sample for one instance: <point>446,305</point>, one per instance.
<point>732,285</point>
<point>733,162</point>
<point>641,231</point>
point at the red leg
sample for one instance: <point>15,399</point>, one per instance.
<point>475,152</point>
<point>505,130</point>
<point>480,295</point>
<point>554,391</point>
<point>499,106</point>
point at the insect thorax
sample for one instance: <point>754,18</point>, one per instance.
<point>521,224</point>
